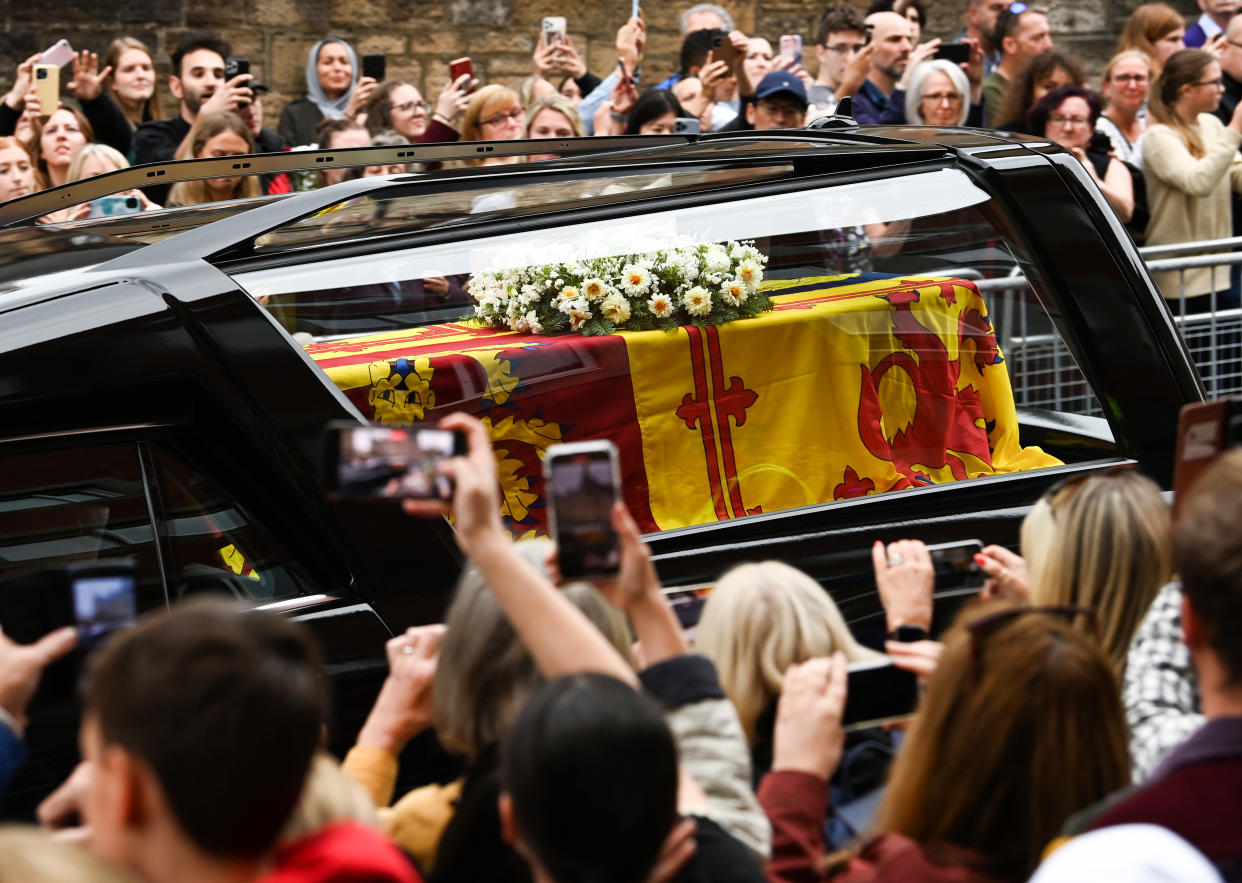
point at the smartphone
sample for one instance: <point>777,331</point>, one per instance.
<point>383,462</point>
<point>791,47</point>
<point>958,53</point>
<point>461,67</point>
<point>954,565</point>
<point>722,50</point>
<point>235,67</point>
<point>686,126</point>
<point>1204,430</point>
<point>102,596</point>
<point>107,206</point>
<point>554,29</point>
<point>375,66</point>
<point>59,54</point>
<point>867,29</point>
<point>635,8</point>
<point>47,87</point>
<point>583,482</point>
<point>878,692</point>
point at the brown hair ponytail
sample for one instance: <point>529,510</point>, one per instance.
<point>1183,68</point>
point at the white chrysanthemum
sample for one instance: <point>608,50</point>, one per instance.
<point>661,305</point>
<point>616,309</point>
<point>635,280</point>
<point>697,301</point>
<point>734,292</point>
<point>532,323</point>
<point>750,273</point>
<point>716,259</point>
<point>594,289</point>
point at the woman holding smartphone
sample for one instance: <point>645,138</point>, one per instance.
<point>333,91</point>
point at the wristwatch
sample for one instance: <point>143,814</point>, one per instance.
<point>908,634</point>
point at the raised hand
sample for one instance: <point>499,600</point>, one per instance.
<point>809,736</point>
<point>88,79</point>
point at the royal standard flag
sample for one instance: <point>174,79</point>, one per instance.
<point>853,385</point>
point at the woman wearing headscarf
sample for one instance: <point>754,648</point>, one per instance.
<point>333,91</point>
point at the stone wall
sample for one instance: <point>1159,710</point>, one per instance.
<point>420,36</point>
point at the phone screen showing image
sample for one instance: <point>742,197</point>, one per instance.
<point>102,603</point>
<point>581,491</point>
<point>383,462</point>
<point>954,565</point>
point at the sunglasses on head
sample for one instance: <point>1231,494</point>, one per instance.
<point>1064,489</point>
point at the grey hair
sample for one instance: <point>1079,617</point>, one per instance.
<point>707,7</point>
<point>918,82</point>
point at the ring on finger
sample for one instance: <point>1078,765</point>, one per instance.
<point>408,649</point>
<point>895,559</point>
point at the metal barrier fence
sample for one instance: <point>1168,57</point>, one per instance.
<point>1045,375</point>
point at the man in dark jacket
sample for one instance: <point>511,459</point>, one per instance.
<point>198,82</point>
<point>1197,791</point>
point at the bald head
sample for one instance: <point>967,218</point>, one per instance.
<point>893,37</point>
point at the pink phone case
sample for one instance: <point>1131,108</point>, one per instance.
<point>60,54</point>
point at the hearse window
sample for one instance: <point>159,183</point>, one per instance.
<point>215,545</point>
<point>74,506</point>
<point>904,349</point>
<point>419,210</point>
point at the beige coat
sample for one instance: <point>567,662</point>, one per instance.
<point>1188,197</point>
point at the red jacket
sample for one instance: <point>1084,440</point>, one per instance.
<point>344,852</point>
<point>796,804</point>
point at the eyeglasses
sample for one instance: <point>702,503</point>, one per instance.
<point>842,48</point>
<point>1215,84</point>
<point>1136,79</point>
<point>986,626</point>
<point>416,107</point>
<point>501,118</point>
<point>951,98</point>
<point>1057,119</point>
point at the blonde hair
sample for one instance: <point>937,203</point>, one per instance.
<point>30,855</point>
<point>759,620</point>
<point>328,796</point>
<point>561,105</point>
<point>1104,544</point>
<point>1126,55</point>
<point>486,99</point>
<point>1183,68</point>
<point>485,674</point>
<point>1007,706</point>
<point>111,154</point>
<point>208,126</point>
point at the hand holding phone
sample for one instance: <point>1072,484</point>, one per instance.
<point>59,53</point>
<point>809,736</point>
<point>582,482</point>
<point>235,67</point>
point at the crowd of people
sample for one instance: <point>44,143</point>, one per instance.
<point>604,741</point>
<point>1002,70</point>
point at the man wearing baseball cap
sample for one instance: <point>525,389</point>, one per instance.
<point>779,103</point>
